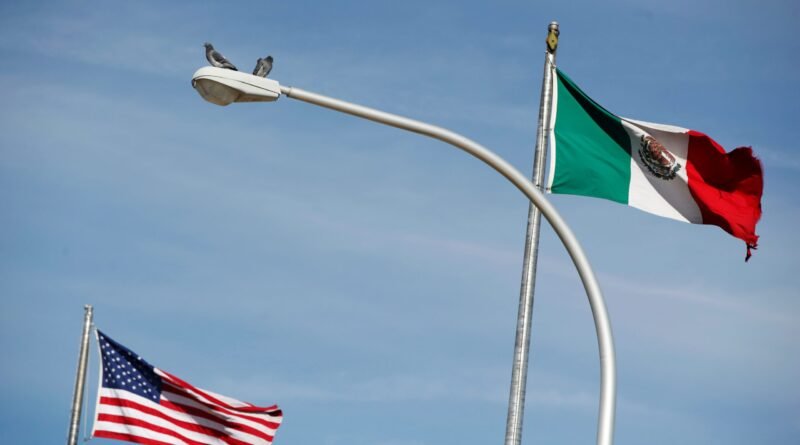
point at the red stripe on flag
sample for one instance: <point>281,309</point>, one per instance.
<point>249,407</point>
<point>208,431</point>
<point>122,420</point>
<point>208,415</point>
<point>128,438</point>
<point>271,411</point>
<point>726,186</point>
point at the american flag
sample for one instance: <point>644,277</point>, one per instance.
<point>139,403</point>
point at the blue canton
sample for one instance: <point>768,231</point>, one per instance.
<point>124,369</point>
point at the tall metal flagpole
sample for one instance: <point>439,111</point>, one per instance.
<point>519,370</point>
<point>80,378</point>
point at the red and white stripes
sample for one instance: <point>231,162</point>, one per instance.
<point>184,415</point>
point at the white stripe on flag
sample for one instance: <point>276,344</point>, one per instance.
<point>134,413</point>
<point>669,198</point>
<point>224,404</point>
<point>182,400</point>
<point>136,431</point>
<point>551,134</point>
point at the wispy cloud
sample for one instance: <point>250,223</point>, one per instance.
<point>77,37</point>
<point>780,159</point>
<point>705,298</point>
<point>375,78</point>
<point>561,399</point>
<point>465,385</point>
<point>476,385</point>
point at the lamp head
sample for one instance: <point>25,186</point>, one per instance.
<point>222,87</point>
<point>215,92</point>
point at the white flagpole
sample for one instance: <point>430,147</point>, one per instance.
<point>80,378</point>
<point>519,370</point>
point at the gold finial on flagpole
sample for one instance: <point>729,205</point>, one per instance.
<point>552,37</point>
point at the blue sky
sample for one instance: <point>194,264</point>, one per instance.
<point>367,279</point>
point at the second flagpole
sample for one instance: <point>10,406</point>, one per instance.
<point>80,378</point>
<point>519,370</point>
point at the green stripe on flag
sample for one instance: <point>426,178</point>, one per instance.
<point>593,153</point>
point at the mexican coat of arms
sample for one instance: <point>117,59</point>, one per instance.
<point>658,160</point>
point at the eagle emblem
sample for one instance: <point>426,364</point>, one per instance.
<point>658,160</point>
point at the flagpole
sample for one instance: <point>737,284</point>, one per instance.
<point>80,378</point>
<point>519,370</point>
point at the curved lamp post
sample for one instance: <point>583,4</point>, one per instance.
<point>222,87</point>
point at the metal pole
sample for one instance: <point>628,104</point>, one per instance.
<point>519,369</point>
<point>80,378</point>
<point>605,340</point>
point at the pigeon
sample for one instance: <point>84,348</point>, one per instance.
<point>216,59</point>
<point>263,67</point>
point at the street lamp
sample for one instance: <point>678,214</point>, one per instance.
<point>222,87</point>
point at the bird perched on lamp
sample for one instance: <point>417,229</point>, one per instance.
<point>263,67</point>
<point>215,58</point>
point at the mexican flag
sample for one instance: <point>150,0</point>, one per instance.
<point>662,169</point>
